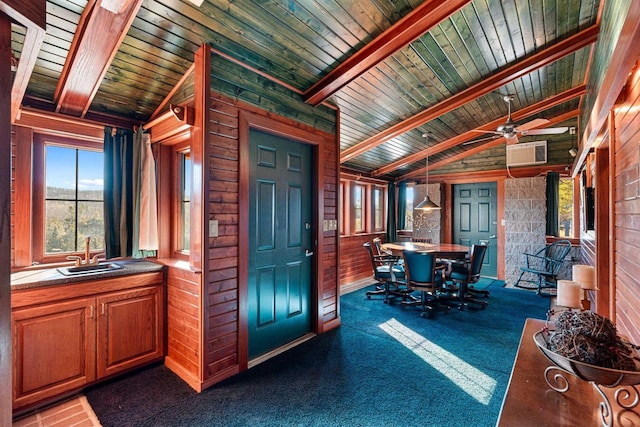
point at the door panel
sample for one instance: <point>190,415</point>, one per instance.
<point>280,209</point>
<point>475,220</point>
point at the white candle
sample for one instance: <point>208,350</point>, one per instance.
<point>568,294</point>
<point>585,275</point>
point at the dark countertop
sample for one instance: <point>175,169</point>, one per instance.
<point>28,279</point>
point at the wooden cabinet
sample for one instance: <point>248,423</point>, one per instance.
<point>61,346</point>
<point>129,331</point>
<point>54,349</point>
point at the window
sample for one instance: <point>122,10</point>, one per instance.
<point>185,195</point>
<point>358,208</point>
<point>73,199</point>
<point>565,208</point>
<point>363,207</point>
<point>343,201</point>
<point>378,209</point>
<point>408,213</point>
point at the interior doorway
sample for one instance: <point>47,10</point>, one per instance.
<point>475,220</point>
<point>280,241</point>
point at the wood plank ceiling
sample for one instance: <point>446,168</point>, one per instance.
<point>395,68</point>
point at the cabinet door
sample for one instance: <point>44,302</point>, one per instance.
<point>130,329</point>
<point>53,349</point>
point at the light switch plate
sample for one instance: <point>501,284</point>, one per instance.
<point>213,228</point>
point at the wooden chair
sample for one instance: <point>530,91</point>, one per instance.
<point>541,269</point>
<point>377,244</point>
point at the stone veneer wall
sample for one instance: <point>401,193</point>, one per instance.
<point>525,225</point>
<point>426,225</point>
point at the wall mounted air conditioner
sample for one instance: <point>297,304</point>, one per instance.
<point>527,153</point>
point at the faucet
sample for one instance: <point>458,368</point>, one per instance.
<point>87,255</point>
<point>87,243</point>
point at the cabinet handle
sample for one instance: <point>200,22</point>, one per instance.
<point>102,308</point>
<point>91,312</point>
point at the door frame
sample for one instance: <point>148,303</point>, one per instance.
<point>447,225</point>
<point>247,121</point>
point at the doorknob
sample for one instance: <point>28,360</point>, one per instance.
<point>493,236</point>
<point>308,253</point>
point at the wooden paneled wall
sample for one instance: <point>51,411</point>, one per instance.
<point>13,196</point>
<point>223,288</point>
<point>627,211</point>
<point>355,263</point>
<point>183,324</point>
<point>238,100</point>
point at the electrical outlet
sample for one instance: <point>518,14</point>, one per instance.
<point>213,228</point>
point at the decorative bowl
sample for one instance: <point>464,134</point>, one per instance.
<point>603,376</point>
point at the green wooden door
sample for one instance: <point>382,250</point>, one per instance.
<point>475,220</point>
<point>280,241</point>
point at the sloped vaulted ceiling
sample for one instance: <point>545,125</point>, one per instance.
<point>395,68</point>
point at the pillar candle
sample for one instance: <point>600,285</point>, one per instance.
<point>585,275</point>
<point>568,294</point>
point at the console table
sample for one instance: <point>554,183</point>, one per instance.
<point>530,401</point>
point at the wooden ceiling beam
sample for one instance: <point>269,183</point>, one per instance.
<point>101,30</point>
<point>415,24</point>
<point>33,16</point>
<point>480,148</point>
<point>50,123</point>
<point>537,60</point>
<point>519,172</point>
<point>105,119</point>
<point>472,134</point>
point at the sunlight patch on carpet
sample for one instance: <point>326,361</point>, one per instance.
<point>472,381</point>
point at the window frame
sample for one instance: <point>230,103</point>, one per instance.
<point>40,141</point>
<point>347,207</point>
<point>354,209</point>
<point>177,220</point>
<point>575,226</point>
<point>382,202</point>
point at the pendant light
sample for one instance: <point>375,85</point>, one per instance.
<point>427,204</point>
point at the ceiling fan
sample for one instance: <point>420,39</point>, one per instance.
<point>510,131</point>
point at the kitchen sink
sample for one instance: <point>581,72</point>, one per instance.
<point>89,268</point>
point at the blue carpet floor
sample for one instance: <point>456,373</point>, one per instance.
<point>384,366</point>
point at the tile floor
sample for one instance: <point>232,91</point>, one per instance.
<point>74,412</point>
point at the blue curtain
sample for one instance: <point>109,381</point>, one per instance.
<point>118,192</point>
<point>553,203</point>
<point>402,206</point>
<point>392,233</point>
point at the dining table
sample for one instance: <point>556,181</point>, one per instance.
<point>442,250</point>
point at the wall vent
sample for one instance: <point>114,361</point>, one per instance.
<point>527,153</point>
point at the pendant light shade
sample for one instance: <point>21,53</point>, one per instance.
<point>427,204</point>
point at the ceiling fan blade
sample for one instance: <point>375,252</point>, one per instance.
<point>486,131</point>
<point>532,124</point>
<point>546,131</point>
<point>511,139</point>
<point>498,135</point>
